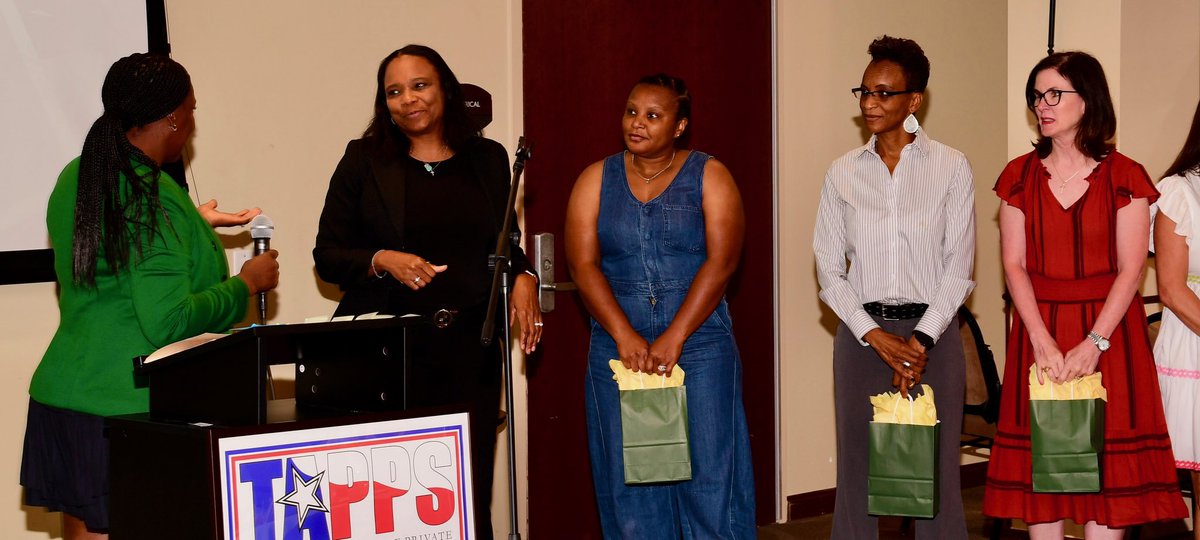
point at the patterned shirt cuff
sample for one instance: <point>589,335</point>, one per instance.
<point>860,323</point>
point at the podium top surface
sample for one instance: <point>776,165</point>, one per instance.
<point>257,336</point>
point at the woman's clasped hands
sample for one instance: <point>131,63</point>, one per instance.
<point>1051,363</point>
<point>907,358</point>
<point>659,357</point>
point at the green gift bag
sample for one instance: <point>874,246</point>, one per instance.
<point>1066,438</point>
<point>654,432</point>
<point>902,475</point>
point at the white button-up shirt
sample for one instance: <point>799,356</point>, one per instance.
<point>897,238</point>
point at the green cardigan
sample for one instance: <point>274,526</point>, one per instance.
<point>179,287</point>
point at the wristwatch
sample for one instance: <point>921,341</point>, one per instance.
<point>924,339</point>
<point>1100,341</point>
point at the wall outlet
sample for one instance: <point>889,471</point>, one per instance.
<point>240,256</point>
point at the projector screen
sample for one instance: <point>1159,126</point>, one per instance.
<point>54,55</point>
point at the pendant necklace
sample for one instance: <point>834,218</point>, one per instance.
<point>655,175</point>
<point>429,167</point>
<point>1063,184</point>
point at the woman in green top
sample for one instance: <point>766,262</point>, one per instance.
<point>138,267</point>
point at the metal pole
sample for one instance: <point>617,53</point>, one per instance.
<point>514,532</point>
<point>1050,38</point>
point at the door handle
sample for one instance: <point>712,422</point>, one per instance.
<point>543,255</point>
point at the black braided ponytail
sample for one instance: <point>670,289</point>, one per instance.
<point>112,216</point>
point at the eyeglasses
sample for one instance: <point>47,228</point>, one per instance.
<point>1051,97</point>
<point>862,93</point>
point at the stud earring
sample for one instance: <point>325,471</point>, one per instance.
<point>910,124</point>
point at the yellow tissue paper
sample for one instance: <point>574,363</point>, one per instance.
<point>892,408</point>
<point>1087,387</point>
<point>628,379</point>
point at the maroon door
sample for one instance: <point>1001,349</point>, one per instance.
<point>581,59</point>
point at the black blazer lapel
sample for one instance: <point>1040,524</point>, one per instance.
<point>389,174</point>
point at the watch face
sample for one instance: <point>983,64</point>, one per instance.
<point>1102,344</point>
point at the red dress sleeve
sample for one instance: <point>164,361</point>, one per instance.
<point>1010,187</point>
<point>1130,181</point>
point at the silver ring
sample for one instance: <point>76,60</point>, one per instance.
<point>906,364</point>
<point>662,369</point>
<point>417,279</point>
<point>539,324</point>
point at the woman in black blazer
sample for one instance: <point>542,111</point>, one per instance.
<point>412,214</point>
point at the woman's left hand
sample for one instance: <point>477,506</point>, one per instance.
<point>1081,360</point>
<point>216,218</point>
<point>664,354</point>
<point>525,310</point>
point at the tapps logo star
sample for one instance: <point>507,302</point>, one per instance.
<point>304,495</point>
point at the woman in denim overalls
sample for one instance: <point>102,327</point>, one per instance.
<point>653,236</point>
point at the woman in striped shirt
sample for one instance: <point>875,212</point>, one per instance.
<point>900,210</point>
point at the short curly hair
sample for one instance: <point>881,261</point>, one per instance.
<point>906,54</point>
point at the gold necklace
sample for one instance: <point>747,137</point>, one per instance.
<point>655,175</point>
<point>1063,185</point>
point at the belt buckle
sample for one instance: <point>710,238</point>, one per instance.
<point>886,312</point>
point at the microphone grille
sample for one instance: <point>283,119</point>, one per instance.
<point>261,227</point>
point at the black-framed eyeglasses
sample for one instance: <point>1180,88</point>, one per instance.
<point>862,93</point>
<point>1051,97</point>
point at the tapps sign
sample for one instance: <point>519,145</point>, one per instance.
<point>396,480</point>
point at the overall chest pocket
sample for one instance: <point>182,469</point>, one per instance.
<point>683,227</point>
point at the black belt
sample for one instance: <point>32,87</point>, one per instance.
<point>895,312</point>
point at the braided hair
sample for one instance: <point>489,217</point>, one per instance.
<point>111,216</point>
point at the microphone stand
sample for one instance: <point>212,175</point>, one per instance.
<point>499,298</point>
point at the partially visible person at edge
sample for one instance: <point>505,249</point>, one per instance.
<point>413,211</point>
<point>1074,230</point>
<point>653,235</point>
<point>1176,223</point>
<point>138,267</point>
<point>901,210</point>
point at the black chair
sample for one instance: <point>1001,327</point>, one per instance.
<point>981,404</point>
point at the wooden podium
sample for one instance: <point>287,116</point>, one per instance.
<point>166,466</point>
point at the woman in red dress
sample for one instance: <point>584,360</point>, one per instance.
<point>1074,230</point>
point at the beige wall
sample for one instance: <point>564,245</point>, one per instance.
<point>1160,79</point>
<point>26,325</point>
<point>283,85</point>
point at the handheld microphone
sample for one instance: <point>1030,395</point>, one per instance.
<point>261,230</point>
